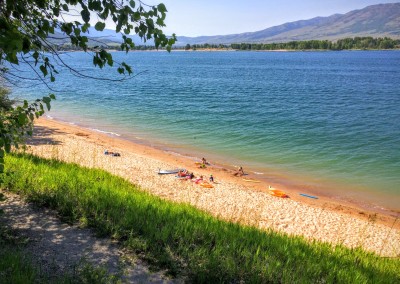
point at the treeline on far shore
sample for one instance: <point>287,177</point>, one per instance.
<point>341,44</point>
<point>359,43</point>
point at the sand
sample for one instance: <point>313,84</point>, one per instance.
<point>231,199</point>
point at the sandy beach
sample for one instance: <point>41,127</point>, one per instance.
<point>232,198</point>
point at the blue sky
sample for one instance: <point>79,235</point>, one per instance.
<point>219,17</point>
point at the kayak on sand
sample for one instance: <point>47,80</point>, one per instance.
<point>278,193</point>
<point>169,172</point>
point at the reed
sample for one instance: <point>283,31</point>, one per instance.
<point>186,241</point>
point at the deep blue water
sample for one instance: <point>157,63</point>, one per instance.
<point>319,117</point>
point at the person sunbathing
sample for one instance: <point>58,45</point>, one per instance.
<point>115,154</point>
<point>182,173</point>
<point>239,172</point>
<point>198,180</point>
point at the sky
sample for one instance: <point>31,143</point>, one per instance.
<point>221,17</point>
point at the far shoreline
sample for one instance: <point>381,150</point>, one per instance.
<point>113,50</point>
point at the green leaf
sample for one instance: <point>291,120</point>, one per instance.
<point>85,27</point>
<point>100,26</point>
<point>77,31</point>
<point>56,11</point>
<point>65,7</point>
<point>161,7</point>
<point>2,153</point>
<point>85,15</point>
<point>26,44</point>
<point>136,16</point>
<point>160,22</point>
<point>12,57</point>
<point>36,56</point>
<point>21,119</point>
<point>52,96</point>
<point>43,69</point>
<point>67,28</point>
<point>132,3</point>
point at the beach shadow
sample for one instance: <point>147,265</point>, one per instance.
<point>60,248</point>
<point>43,136</point>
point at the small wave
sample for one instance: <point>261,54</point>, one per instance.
<point>105,132</point>
<point>49,116</point>
<point>258,173</point>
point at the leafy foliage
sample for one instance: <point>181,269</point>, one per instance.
<point>26,27</point>
<point>5,102</point>
<point>17,122</point>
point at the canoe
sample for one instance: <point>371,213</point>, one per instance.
<point>309,196</point>
<point>251,180</point>
<point>169,172</point>
<point>278,193</point>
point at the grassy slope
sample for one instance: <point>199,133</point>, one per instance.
<point>185,240</point>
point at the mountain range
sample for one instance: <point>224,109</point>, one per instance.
<point>376,21</point>
<point>382,20</point>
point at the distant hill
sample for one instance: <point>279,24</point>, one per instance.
<point>376,21</point>
<point>106,38</point>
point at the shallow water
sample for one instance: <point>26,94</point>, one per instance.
<point>329,121</point>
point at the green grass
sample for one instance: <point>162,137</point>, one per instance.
<point>186,241</point>
<point>15,267</point>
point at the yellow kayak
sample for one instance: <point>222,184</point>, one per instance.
<point>278,193</point>
<point>206,185</point>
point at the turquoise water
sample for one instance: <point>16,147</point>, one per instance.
<point>328,121</point>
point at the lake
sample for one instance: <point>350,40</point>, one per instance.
<point>326,121</point>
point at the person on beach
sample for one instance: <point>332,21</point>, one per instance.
<point>239,172</point>
<point>198,180</point>
<point>203,164</point>
<point>115,154</point>
<point>182,173</point>
<point>211,178</point>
